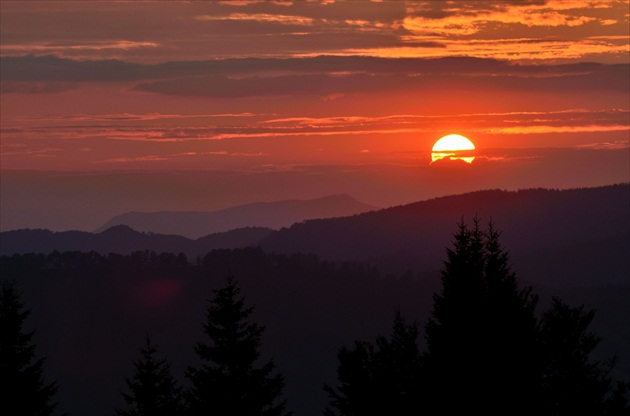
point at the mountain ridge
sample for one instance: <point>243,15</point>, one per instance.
<point>577,231</point>
<point>413,236</point>
<point>122,239</point>
<point>273,214</point>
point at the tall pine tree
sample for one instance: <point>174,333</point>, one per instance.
<point>23,390</point>
<point>152,389</point>
<point>230,381</point>
<point>481,336</point>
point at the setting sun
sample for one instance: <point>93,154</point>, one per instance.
<point>450,146</point>
<point>453,142</point>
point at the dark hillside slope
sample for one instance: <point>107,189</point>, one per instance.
<point>533,222</point>
<point>123,240</point>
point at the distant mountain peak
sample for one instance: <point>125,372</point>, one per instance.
<point>271,214</point>
<point>119,229</point>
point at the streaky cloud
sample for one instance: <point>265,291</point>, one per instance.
<point>538,129</point>
<point>49,68</point>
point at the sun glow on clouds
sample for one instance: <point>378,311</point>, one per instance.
<point>384,29</point>
<point>460,19</point>
<point>148,158</point>
<point>256,139</point>
<point>95,46</point>
<point>320,110</point>
<point>505,49</point>
<point>464,25</point>
<point>213,126</point>
<point>537,129</point>
<point>261,17</point>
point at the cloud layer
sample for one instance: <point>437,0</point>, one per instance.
<point>252,85</point>
<point>320,76</point>
<point>166,31</point>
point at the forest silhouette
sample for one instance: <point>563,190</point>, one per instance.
<point>487,349</point>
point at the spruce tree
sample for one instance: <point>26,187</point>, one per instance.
<point>481,336</point>
<point>572,382</point>
<point>380,378</point>
<point>152,389</point>
<point>230,380</point>
<point>23,390</point>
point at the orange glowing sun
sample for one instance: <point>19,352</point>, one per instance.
<point>453,147</point>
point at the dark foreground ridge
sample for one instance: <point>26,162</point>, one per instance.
<point>91,312</point>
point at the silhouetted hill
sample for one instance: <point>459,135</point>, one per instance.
<point>123,240</point>
<point>557,237</point>
<point>237,238</point>
<point>273,215</point>
<point>579,233</point>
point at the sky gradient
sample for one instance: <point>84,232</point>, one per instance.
<point>109,107</point>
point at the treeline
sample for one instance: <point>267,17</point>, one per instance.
<point>147,263</point>
<point>487,349</point>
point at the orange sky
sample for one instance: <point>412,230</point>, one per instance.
<point>250,87</point>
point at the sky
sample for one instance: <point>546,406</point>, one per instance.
<point>110,107</point>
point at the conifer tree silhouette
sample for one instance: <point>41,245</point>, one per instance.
<point>229,382</point>
<point>487,351</point>
<point>22,387</point>
<point>381,378</point>
<point>152,389</point>
<point>481,336</point>
<point>572,382</point>
<point>487,348</point>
